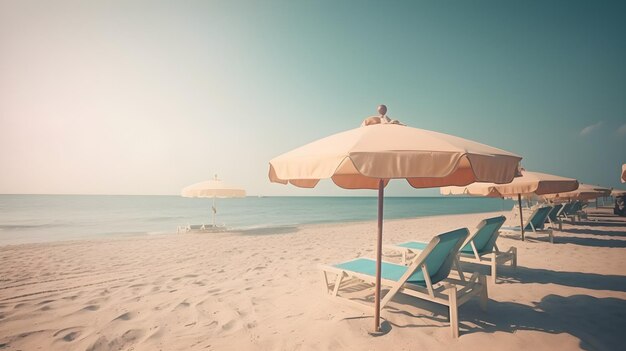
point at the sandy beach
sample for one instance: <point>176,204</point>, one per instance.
<point>262,290</point>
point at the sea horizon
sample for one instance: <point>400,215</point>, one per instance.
<point>30,218</point>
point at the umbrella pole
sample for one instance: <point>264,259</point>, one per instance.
<point>379,246</point>
<point>521,218</point>
<point>214,210</point>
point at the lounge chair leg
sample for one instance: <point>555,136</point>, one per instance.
<point>514,260</point>
<point>494,264</point>
<point>551,238</point>
<point>325,281</point>
<point>454,312</point>
<point>484,295</point>
<point>458,268</point>
<point>338,283</point>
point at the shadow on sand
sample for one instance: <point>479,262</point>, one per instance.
<point>525,275</point>
<point>589,241</point>
<point>599,223</point>
<point>594,232</point>
<point>597,322</point>
<point>559,238</point>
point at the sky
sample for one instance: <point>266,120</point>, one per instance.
<point>147,97</point>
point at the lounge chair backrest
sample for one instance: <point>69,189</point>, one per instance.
<point>538,218</point>
<point>566,208</point>
<point>555,211</point>
<point>487,234</point>
<point>440,254</point>
<point>577,206</point>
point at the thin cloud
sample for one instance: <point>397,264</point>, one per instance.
<point>622,130</point>
<point>589,129</point>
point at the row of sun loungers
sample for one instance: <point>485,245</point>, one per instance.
<point>545,219</point>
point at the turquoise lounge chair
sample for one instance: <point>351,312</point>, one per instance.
<point>535,223</point>
<point>575,212</point>
<point>566,209</point>
<point>554,216</point>
<point>480,247</point>
<point>423,278</point>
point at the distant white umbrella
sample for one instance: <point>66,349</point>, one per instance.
<point>213,188</point>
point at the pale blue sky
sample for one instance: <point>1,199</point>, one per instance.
<point>129,97</point>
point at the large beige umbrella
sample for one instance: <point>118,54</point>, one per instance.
<point>213,188</point>
<point>369,156</point>
<point>624,173</point>
<point>530,183</point>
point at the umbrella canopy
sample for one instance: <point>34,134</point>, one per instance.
<point>624,173</point>
<point>369,156</point>
<point>584,192</point>
<point>618,192</point>
<point>530,183</point>
<point>358,158</point>
<point>213,188</point>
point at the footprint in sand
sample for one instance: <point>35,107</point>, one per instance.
<point>91,308</point>
<point>229,325</point>
<point>119,343</point>
<point>181,305</point>
<point>126,316</point>
<point>214,292</point>
<point>68,334</point>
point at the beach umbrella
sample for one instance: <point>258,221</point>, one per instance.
<point>618,192</point>
<point>370,156</point>
<point>584,192</point>
<point>624,173</point>
<point>213,188</point>
<point>529,184</point>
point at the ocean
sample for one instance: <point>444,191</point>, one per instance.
<point>45,218</point>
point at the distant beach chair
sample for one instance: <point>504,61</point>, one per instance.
<point>426,277</point>
<point>554,217</point>
<point>573,212</point>
<point>565,210</point>
<point>534,223</point>
<point>201,228</point>
<point>578,211</point>
<point>480,247</point>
